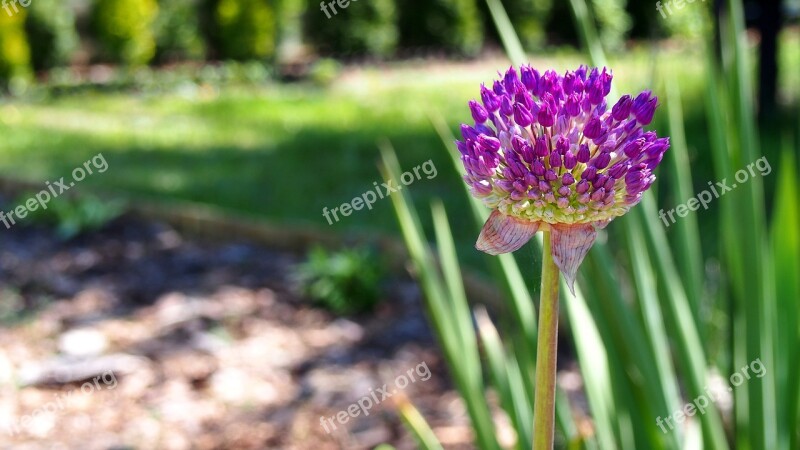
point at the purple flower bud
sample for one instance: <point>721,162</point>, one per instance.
<point>479,113</point>
<point>583,154</point>
<point>505,107</point>
<point>605,79</point>
<point>598,194</point>
<point>523,97</point>
<point>530,78</point>
<point>555,159</point>
<point>544,186</point>
<point>658,147</point>
<point>522,116</point>
<point>563,191</point>
<point>540,148</point>
<point>570,161</point>
<point>488,144</point>
<point>618,170</point>
<point>600,140</point>
<point>581,72</point>
<point>600,180</point>
<point>634,148</point>
<point>482,128</point>
<point>589,174</point>
<point>609,184</point>
<point>505,185</point>
<point>595,92</point>
<point>567,179</point>
<point>490,100</point>
<point>562,145</point>
<point>511,81</point>
<point>569,81</point>
<point>654,161</point>
<point>634,176</point>
<point>593,128</point>
<point>550,175</point>
<point>573,105</point>
<point>546,118</point>
<point>530,179</point>
<point>498,89</point>
<point>467,132</point>
<point>538,168</point>
<point>622,109</point>
<point>517,143</point>
<point>602,160</point>
<point>582,187</point>
<point>562,124</point>
<point>462,147</point>
<point>644,107</point>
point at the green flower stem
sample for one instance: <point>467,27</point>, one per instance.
<point>545,402</point>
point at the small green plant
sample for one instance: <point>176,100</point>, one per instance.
<point>345,282</point>
<point>75,216</point>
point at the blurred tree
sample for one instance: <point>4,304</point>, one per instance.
<point>453,24</point>
<point>177,29</point>
<point>124,29</point>
<point>52,36</point>
<point>366,27</point>
<point>245,29</point>
<point>15,54</point>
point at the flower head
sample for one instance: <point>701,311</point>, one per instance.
<point>546,152</point>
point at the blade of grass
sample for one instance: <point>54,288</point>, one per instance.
<point>509,37</point>
<point>687,248</point>
<point>785,235</point>
<point>467,376</point>
<point>418,425</point>
<point>508,380</point>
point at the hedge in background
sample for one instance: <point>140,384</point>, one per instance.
<point>245,29</point>
<point>177,30</point>
<point>15,55</point>
<point>124,29</point>
<point>455,25</point>
<point>364,27</point>
<point>52,36</point>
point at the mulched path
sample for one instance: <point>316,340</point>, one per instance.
<point>138,337</point>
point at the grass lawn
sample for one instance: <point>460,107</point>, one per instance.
<point>285,151</point>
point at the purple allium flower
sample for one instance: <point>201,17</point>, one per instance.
<point>547,153</point>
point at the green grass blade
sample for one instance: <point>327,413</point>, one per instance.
<point>467,376</point>
<point>508,380</point>
<point>687,248</point>
<point>785,235</point>
<point>511,41</point>
<point>756,404</point>
<point>418,425</point>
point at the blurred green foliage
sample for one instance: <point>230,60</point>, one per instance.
<point>51,34</point>
<point>613,22</point>
<point>361,28</point>
<point>245,29</point>
<point>124,29</point>
<point>452,24</point>
<point>177,30</point>
<point>345,282</point>
<point>530,18</point>
<point>74,216</point>
<point>15,53</point>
